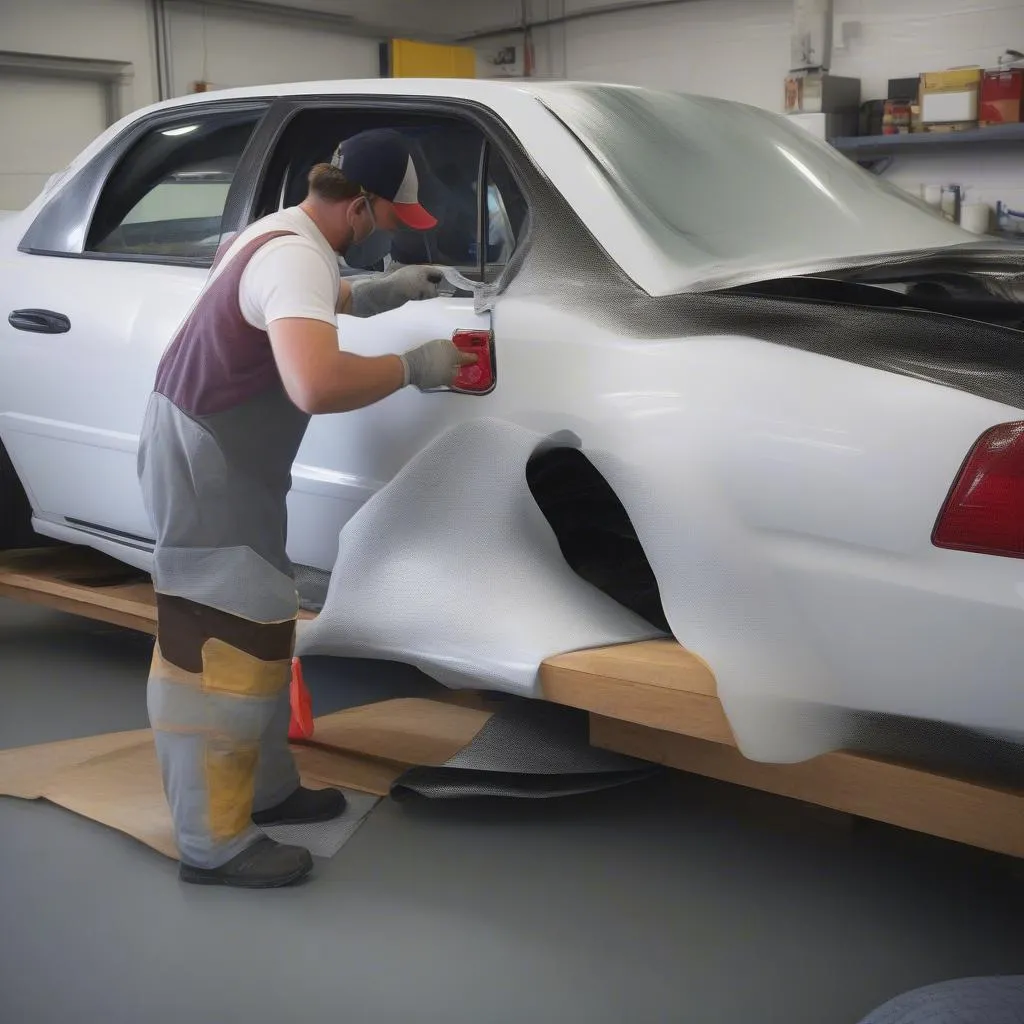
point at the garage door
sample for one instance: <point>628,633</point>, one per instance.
<point>227,50</point>
<point>44,124</point>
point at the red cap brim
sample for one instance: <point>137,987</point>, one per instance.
<point>414,216</point>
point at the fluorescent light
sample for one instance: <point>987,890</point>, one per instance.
<point>180,131</point>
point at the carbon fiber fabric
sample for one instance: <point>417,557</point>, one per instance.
<point>539,739</point>
<point>461,784</point>
<point>526,750</point>
<point>326,838</point>
<point>311,584</point>
<point>979,358</point>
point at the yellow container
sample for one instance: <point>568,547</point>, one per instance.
<point>413,59</point>
<point>950,81</point>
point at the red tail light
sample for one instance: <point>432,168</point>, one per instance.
<point>985,509</point>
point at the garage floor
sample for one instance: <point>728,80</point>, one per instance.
<point>677,899</point>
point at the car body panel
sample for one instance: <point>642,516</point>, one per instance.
<point>74,402</point>
<point>452,567</point>
<point>61,435</point>
<point>783,525</point>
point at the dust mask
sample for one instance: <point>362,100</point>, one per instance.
<point>372,249</point>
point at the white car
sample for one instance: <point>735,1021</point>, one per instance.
<point>740,392</point>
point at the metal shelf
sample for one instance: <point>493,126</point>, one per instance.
<point>866,145</point>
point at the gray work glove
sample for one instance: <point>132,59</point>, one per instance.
<point>377,294</point>
<point>434,364</point>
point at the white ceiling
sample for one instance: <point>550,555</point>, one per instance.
<point>449,18</point>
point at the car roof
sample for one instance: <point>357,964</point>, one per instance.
<point>486,91</point>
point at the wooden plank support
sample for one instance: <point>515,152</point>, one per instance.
<point>81,581</point>
<point>871,787</point>
<point>657,701</point>
<point>655,683</point>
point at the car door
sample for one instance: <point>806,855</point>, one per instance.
<point>102,279</point>
<point>344,459</point>
<point>72,407</point>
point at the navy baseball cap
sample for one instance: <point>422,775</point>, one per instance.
<point>379,160</point>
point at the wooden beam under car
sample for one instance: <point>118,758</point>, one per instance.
<point>964,811</point>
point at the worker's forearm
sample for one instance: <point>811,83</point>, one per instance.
<point>352,382</point>
<point>320,378</point>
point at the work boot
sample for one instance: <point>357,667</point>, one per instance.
<point>264,865</point>
<point>302,807</point>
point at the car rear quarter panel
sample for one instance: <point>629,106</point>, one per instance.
<point>786,501</point>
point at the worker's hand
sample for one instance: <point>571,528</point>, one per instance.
<point>372,295</point>
<point>435,364</point>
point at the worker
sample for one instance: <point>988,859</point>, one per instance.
<point>257,355</point>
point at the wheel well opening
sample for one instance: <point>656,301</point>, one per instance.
<point>594,531</point>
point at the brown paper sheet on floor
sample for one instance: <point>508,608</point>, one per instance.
<point>25,772</point>
<point>114,779</point>
<point>120,790</point>
<point>411,731</point>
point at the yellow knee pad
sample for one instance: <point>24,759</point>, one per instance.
<point>228,705</point>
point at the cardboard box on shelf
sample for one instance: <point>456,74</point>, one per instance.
<point>817,92</point>
<point>903,88</point>
<point>1002,97</point>
<point>793,99</point>
<point>950,97</point>
<point>953,79</point>
<point>896,118</point>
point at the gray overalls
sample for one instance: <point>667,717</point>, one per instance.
<point>217,446</point>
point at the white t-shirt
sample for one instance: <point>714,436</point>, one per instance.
<point>295,276</point>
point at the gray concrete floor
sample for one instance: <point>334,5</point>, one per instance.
<point>674,900</point>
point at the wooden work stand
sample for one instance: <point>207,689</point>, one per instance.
<point>652,700</point>
<point>84,582</point>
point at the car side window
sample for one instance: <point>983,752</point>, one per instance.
<point>166,196</point>
<point>447,152</point>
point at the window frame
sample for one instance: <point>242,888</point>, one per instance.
<point>482,232</point>
<point>61,226</point>
<point>484,215</point>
